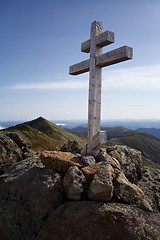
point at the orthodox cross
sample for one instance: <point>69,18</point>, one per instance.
<point>94,65</point>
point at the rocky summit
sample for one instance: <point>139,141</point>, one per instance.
<point>62,195</point>
<point>12,150</point>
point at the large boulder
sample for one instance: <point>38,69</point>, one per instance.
<point>10,152</point>
<point>130,161</point>
<point>93,220</point>
<point>60,161</point>
<point>129,192</point>
<point>150,184</point>
<point>101,186</point>
<point>73,183</point>
<point>28,194</point>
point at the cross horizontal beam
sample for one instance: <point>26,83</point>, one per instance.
<point>102,40</point>
<point>79,68</point>
<point>115,56</point>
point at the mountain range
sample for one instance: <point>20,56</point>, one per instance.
<point>41,134</point>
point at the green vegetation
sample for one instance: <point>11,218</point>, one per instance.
<point>41,134</point>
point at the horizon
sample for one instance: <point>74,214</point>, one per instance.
<point>133,124</point>
<point>84,120</point>
<point>37,50</point>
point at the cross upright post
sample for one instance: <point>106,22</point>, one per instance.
<point>95,74</point>
<point>98,39</point>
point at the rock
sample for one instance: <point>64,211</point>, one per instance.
<point>28,194</point>
<point>101,187</point>
<point>29,154</point>
<point>129,192</point>
<point>113,162</point>
<point>10,153</point>
<point>87,160</point>
<point>71,146</point>
<point>130,161</point>
<point>73,183</point>
<point>103,156</point>
<point>17,139</point>
<point>90,170</point>
<point>150,184</point>
<point>157,197</point>
<point>96,220</point>
<point>60,161</point>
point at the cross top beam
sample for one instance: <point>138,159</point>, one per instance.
<point>94,65</point>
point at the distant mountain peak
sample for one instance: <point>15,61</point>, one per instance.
<point>41,133</point>
<point>38,119</point>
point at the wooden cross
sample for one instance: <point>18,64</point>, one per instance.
<point>98,39</point>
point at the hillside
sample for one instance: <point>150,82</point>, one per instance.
<point>112,132</point>
<point>153,131</point>
<point>117,132</point>
<point>41,134</point>
<point>148,144</point>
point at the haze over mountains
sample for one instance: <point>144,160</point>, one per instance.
<point>42,134</point>
<point>70,124</point>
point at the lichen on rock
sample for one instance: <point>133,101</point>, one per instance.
<point>73,183</point>
<point>58,197</point>
<point>28,194</point>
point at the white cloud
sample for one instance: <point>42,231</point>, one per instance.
<point>142,78</point>
<point>61,124</point>
<point>52,85</point>
<point>136,78</point>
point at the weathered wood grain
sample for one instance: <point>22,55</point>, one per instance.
<point>94,65</point>
<point>103,39</point>
<point>94,103</point>
<point>85,46</point>
<point>79,68</point>
<point>99,140</point>
<point>115,56</point>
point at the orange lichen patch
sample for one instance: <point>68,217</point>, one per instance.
<point>60,161</point>
<point>90,170</point>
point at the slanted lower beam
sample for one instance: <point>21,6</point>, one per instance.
<point>102,39</point>
<point>116,56</point>
<point>99,140</point>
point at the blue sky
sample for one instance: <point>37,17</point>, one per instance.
<point>40,39</point>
